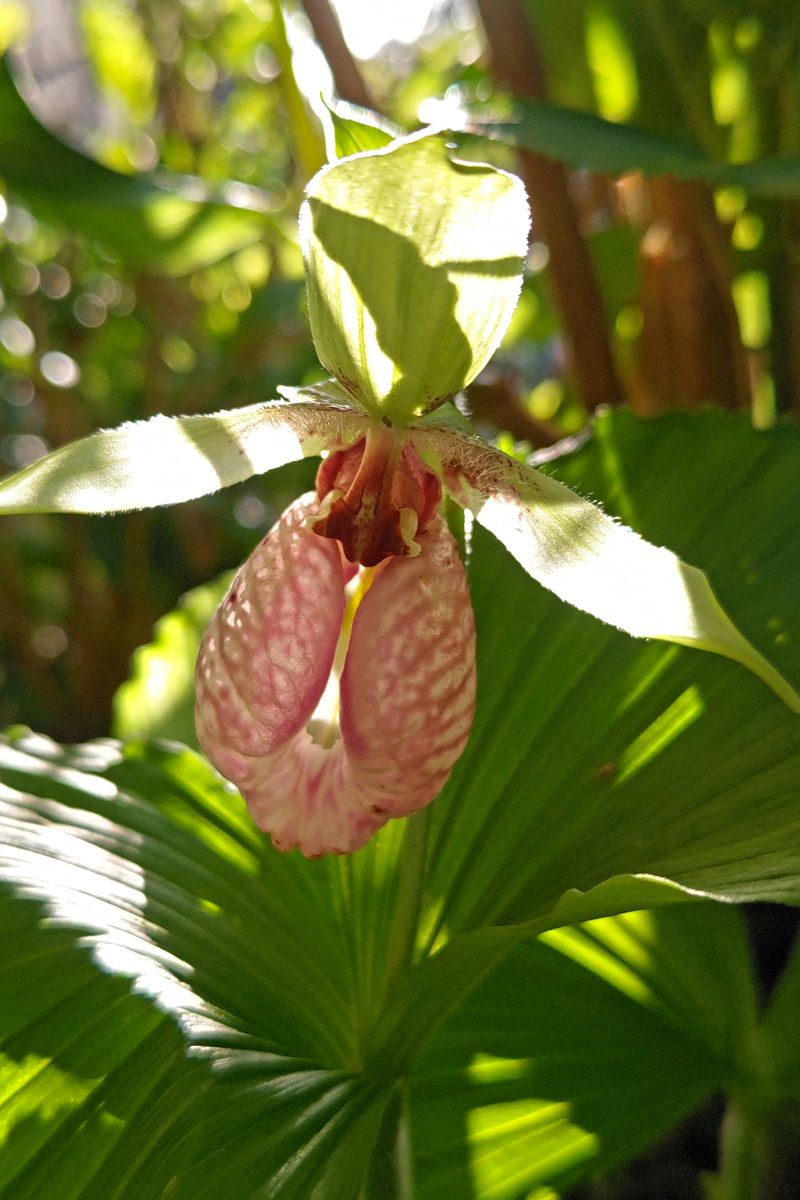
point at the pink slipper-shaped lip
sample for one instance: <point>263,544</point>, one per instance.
<point>322,768</point>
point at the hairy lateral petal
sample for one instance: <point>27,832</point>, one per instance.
<point>268,651</point>
<point>165,460</point>
<point>589,559</point>
<point>408,686</point>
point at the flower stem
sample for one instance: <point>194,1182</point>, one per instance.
<point>391,1175</point>
<point>411,880</point>
<point>759,1150</point>
<point>742,1154</point>
<point>346,75</point>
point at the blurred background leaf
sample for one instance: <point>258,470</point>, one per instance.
<point>165,223</point>
<point>158,699</point>
<point>585,140</point>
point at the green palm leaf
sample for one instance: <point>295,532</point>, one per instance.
<point>303,1015</point>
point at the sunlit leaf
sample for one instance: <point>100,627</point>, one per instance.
<point>157,221</point>
<point>158,698</point>
<point>590,560</point>
<point>267,1075</point>
<point>413,267</point>
<point>166,460</point>
<point>141,864</point>
<point>306,135</point>
<point>95,1080</point>
<point>579,1049</point>
<point>594,756</point>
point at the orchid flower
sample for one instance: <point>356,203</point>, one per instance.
<point>336,683</point>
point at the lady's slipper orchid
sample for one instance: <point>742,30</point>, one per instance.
<point>288,650</point>
<point>336,683</point>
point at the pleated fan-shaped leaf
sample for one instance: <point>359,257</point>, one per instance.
<point>288,1003</point>
<point>595,757</point>
<point>244,1070</point>
<point>140,865</point>
<point>93,1080</point>
<point>579,1049</point>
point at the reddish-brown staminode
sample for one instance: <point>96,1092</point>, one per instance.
<point>376,496</point>
<point>338,698</point>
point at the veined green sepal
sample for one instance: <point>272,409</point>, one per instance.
<point>413,265</point>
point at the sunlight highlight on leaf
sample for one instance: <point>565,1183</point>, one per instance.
<point>551,1058</point>
<point>687,709</point>
<point>399,232</point>
<point>518,1144</point>
<point>167,460</point>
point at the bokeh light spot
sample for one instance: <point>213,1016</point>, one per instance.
<point>17,337</point>
<point>59,369</point>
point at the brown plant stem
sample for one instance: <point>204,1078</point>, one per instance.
<point>496,398</point>
<point>516,64</point>
<point>96,657</point>
<point>16,630</point>
<point>783,272</point>
<point>346,75</point>
<point>691,351</point>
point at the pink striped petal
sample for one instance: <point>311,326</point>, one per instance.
<point>407,689</point>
